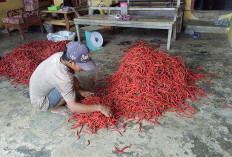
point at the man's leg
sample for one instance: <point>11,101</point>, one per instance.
<point>56,102</point>
<point>60,106</point>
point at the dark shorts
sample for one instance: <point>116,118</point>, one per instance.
<point>54,97</point>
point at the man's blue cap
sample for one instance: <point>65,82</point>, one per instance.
<point>79,53</point>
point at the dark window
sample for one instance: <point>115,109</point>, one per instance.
<point>213,4</point>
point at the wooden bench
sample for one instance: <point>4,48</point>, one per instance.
<point>168,20</point>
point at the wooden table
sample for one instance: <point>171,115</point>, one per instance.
<point>66,22</point>
<point>137,21</point>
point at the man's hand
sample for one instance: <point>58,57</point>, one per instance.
<point>86,93</point>
<point>106,110</point>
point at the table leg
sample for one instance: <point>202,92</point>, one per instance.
<point>8,31</point>
<point>179,26</point>
<point>21,32</point>
<point>169,38</point>
<point>67,22</point>
<point>78,33</point>
<point>174,31</point>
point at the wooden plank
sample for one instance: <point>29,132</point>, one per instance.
<point>60,22</point>
<point>106,8</point>
<point>135,25</point>
<point>153,9</point>
<point>61,12</point>
<point>134,1</point>
<point>91,28</point>
<point>135,18</point>
<point>135,22</point>
<point>118,8</point>
<point>154,3</point>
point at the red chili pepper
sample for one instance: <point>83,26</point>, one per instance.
<point>88,143</point>
<point>118,132</point>
<point>20,63</point>
<point>124,127</point>
<point>78,137</point>
<point>205,103</point>
<point>226,107</point>
<point>121,150</point>
<point>75,126</point>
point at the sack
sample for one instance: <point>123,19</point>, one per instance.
<point>60,36</point>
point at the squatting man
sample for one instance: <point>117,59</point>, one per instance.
<point>53,84</point>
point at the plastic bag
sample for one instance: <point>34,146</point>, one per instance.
<point>48,27</point>
<point>60,36</point>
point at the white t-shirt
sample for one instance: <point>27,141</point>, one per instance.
<point>50,74</point>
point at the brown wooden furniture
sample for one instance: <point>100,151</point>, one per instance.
<point>23,18</point>
<point>66,22</point>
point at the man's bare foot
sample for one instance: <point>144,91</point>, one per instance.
<point>60,109</point>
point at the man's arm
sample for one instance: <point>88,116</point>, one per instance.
<point>83,108</point>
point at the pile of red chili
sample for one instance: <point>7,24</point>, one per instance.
<point>148,83</point>
<point>20,63</point>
